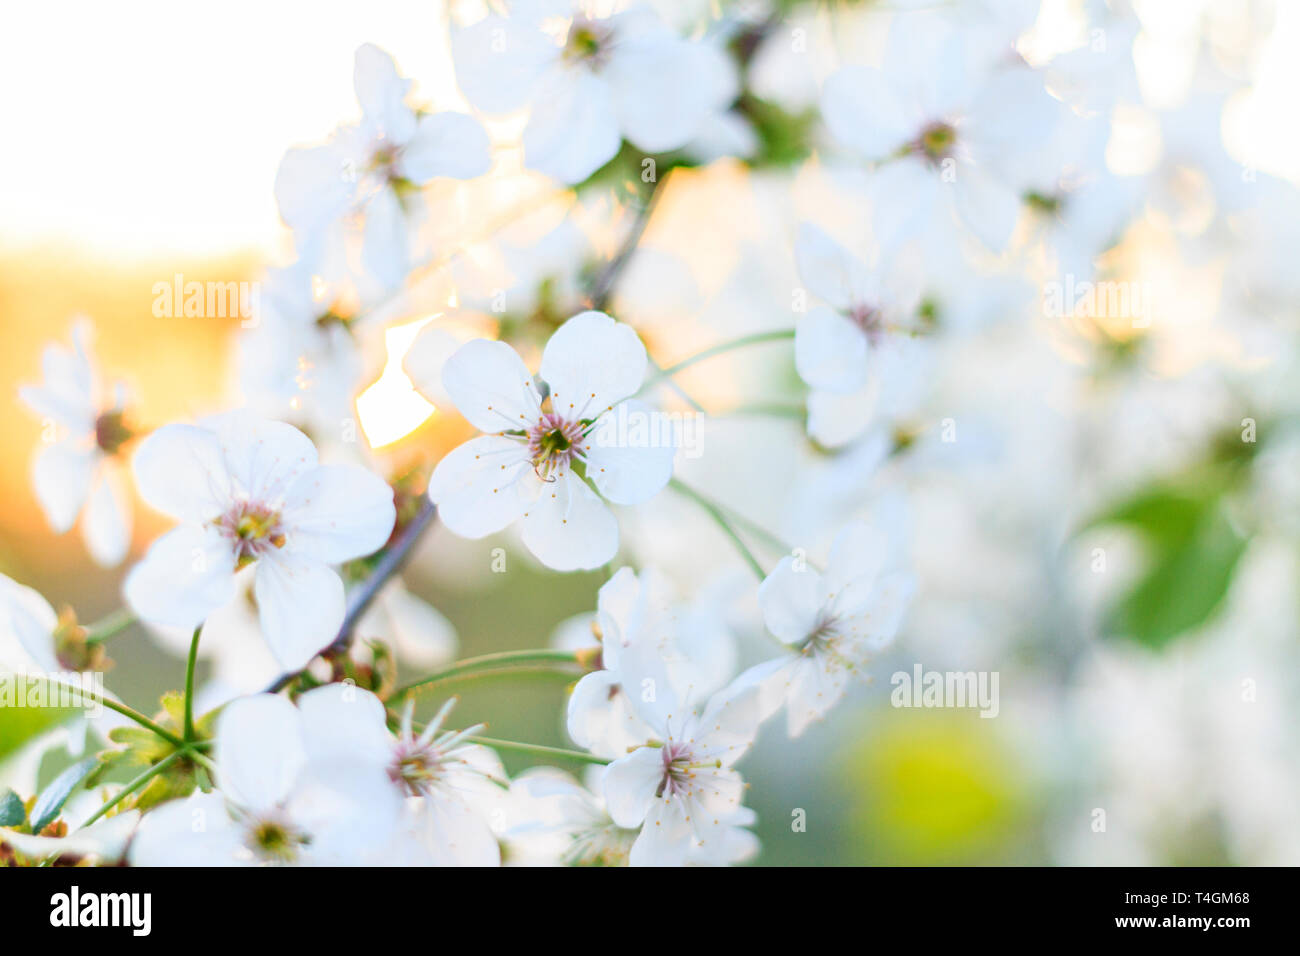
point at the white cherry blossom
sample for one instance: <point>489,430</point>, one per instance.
<point>251,491</point>
<point>77,472</point>
<point>860,352</point>
<point>367,176</point>
<point>426,783</point>
<point>592,81</point>
<point>638,616</point>
<point>530,467</point>
<point>681,787</point>
<point>952,133</point>
<point>832,621</point>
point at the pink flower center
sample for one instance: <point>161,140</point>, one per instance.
<point>679,770</point>
<point>870,321</point>
<point>553,443</point>
<point>252,530</point>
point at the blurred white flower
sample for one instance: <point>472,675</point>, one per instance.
<point>592,82</point>
<point>270,807</point>
<point>531,466</point>
<point>366,172</point>
<point>249,490</point>
<point>832,621</point>
<point>103,842</point>
<point>85,430</point>
<point>301,362</point>
<point>638,615</point>
<point>27,626</point>
<point>952,133</point>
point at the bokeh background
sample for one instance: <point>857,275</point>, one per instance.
<point>129,161</point>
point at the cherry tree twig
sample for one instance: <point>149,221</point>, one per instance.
<point>364,594</point>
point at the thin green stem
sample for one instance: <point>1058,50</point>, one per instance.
<point>774,541</point>
<point>109,624</point>
<point>714,511</point>
<point>659,374</point>
<point>719,349</point>
<point>491,662</point>
<point>538,750</point>
<point>189,683</point>
<point>203,761</point>
<point>135,784</point>
<point>122,709</point>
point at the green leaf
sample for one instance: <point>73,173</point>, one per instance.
<point>51,801</point>
<point>1194,554</point>
<point>1184,586</point>
<point>12,811</point>
<point>20,723</point>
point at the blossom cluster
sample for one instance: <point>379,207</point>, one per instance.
<point>942,177</point>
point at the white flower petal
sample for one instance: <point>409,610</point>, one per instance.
<point>814,689</point>
<point>905,194</point>
<point>836,418</point>
<point>491,386</point>
<point>300,605</point>
<point>483,485</point>
<point>350,809</point>
<point>666,838</point>
<point>259,751</point>
<point>456,834</point>
<point>568,527</point>
<point>830,351</point>
<point>107,524</point>
<point>186,575</point>
<point>864,110</point>
<point>987,204</point>
<point>591,363</point>
<point>630,784</point>
<point>446,144</point>
<point>263,457</point>
<point>499,61</point>
<point>665,87</point>
<point>600,718</point>
<point>105,840</point>
<point>857,555</point>
<point>340,721</point>
<point>196,831</point>
<point>829,270</point>
<point>61,476</point>
<point>25,616</point>
<point>381,91</point>
<point>789,600</point>
<point>385,244</point>
<point>425,360</point>
<point>573,129</point>
<point>729,724</point>
<point>617,605</point>
<point>314,187</point>
<point>335,513</point>
<point>629,461</point>
<point>181,471</point>
<point>771,679</point>
<point>72,411</point>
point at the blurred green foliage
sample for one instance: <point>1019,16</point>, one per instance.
<point>20,724</point>
<point>1193,553</point>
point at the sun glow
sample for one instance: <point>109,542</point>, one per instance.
<point>391,408</point>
